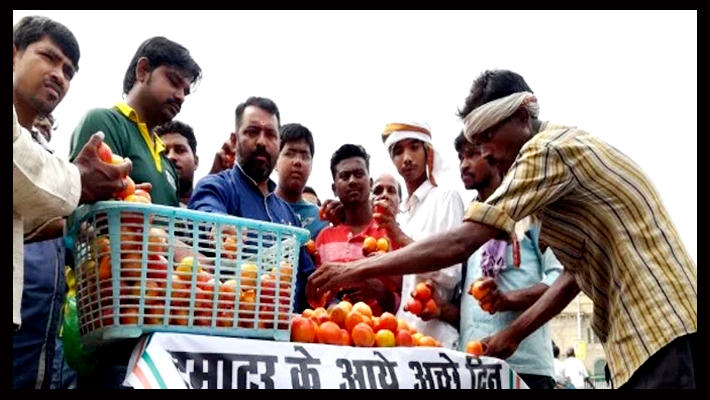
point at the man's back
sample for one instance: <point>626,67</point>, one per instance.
<point>607,224</point>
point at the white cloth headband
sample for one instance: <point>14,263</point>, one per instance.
<point>398,136</point>
<point>491,113</point>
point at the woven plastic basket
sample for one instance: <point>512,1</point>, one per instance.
<point>144,268</point>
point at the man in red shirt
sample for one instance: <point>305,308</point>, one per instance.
<point>345,242</point>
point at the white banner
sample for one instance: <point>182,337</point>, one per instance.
<point>169,360</point>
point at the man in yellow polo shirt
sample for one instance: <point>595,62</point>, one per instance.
<point>159,77</point>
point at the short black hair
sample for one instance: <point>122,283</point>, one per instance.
<point>492,85</point>
<point>34,28</point>
<point>555,350</point>
<point>295,132</point>
<point>261,102</point>
<point>349,151</point>
<point>180,128</point>
<point>459,142</point>
<point>162,51</point>
<point>308,189</point>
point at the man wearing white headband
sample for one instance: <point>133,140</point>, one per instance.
<point>602,217</point>
<point>429,208</point>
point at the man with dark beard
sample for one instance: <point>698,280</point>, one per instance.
<point>245,190</point>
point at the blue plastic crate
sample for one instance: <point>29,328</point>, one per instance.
<point>130,280</point>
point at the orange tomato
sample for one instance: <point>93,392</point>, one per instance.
<point>143,193</point>
<point>116,159</point>
<point>383,244</point>
<point>477,290</point>
<point>430,307</point>
<point>422,292</point>
<point>329,333</point>
<point>427,341</point>
<point>104,152</point>
<point>414,306</point>
<point>311,246</point>
<point>362,335</point>
<point>475,348</point>
<point>369,245</point>
<point>363,309</point>
<point>136,199</point>
<point>129,188</point>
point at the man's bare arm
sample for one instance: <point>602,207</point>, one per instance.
<point>551,303</point>
<point>522,299</point>
<point>438,251</point>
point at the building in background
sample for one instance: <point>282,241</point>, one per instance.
<point>572,328</point>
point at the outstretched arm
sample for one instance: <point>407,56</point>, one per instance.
<point>431,254</point>
<point>515,300</point>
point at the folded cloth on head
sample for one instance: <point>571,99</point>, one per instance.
<point>495,111</point>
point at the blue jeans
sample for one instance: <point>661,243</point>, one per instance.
<point>63,376</point>
<point>34,345</point>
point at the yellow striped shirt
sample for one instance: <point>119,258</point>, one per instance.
<point>607,225</point>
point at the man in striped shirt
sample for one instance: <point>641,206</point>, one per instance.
<point>602,217</point>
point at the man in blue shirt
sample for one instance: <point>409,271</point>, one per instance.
<point>294,168</point>
<point>512,288</point>
<point>245,190</point>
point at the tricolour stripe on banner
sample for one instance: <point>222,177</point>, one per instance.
<point>154,371</point>
<point>138,372</point>
<point>510,378</point>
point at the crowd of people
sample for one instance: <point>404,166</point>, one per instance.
<point>557,212</point>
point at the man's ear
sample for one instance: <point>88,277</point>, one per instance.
<point>142,69</point>
<point>332,186</point>
<point>14,54</point>
<point>197,161</point>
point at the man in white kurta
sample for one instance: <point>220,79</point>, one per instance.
<point>432,207</point>
<point>45,57</point>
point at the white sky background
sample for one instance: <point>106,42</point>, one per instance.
<point>629,77</point>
